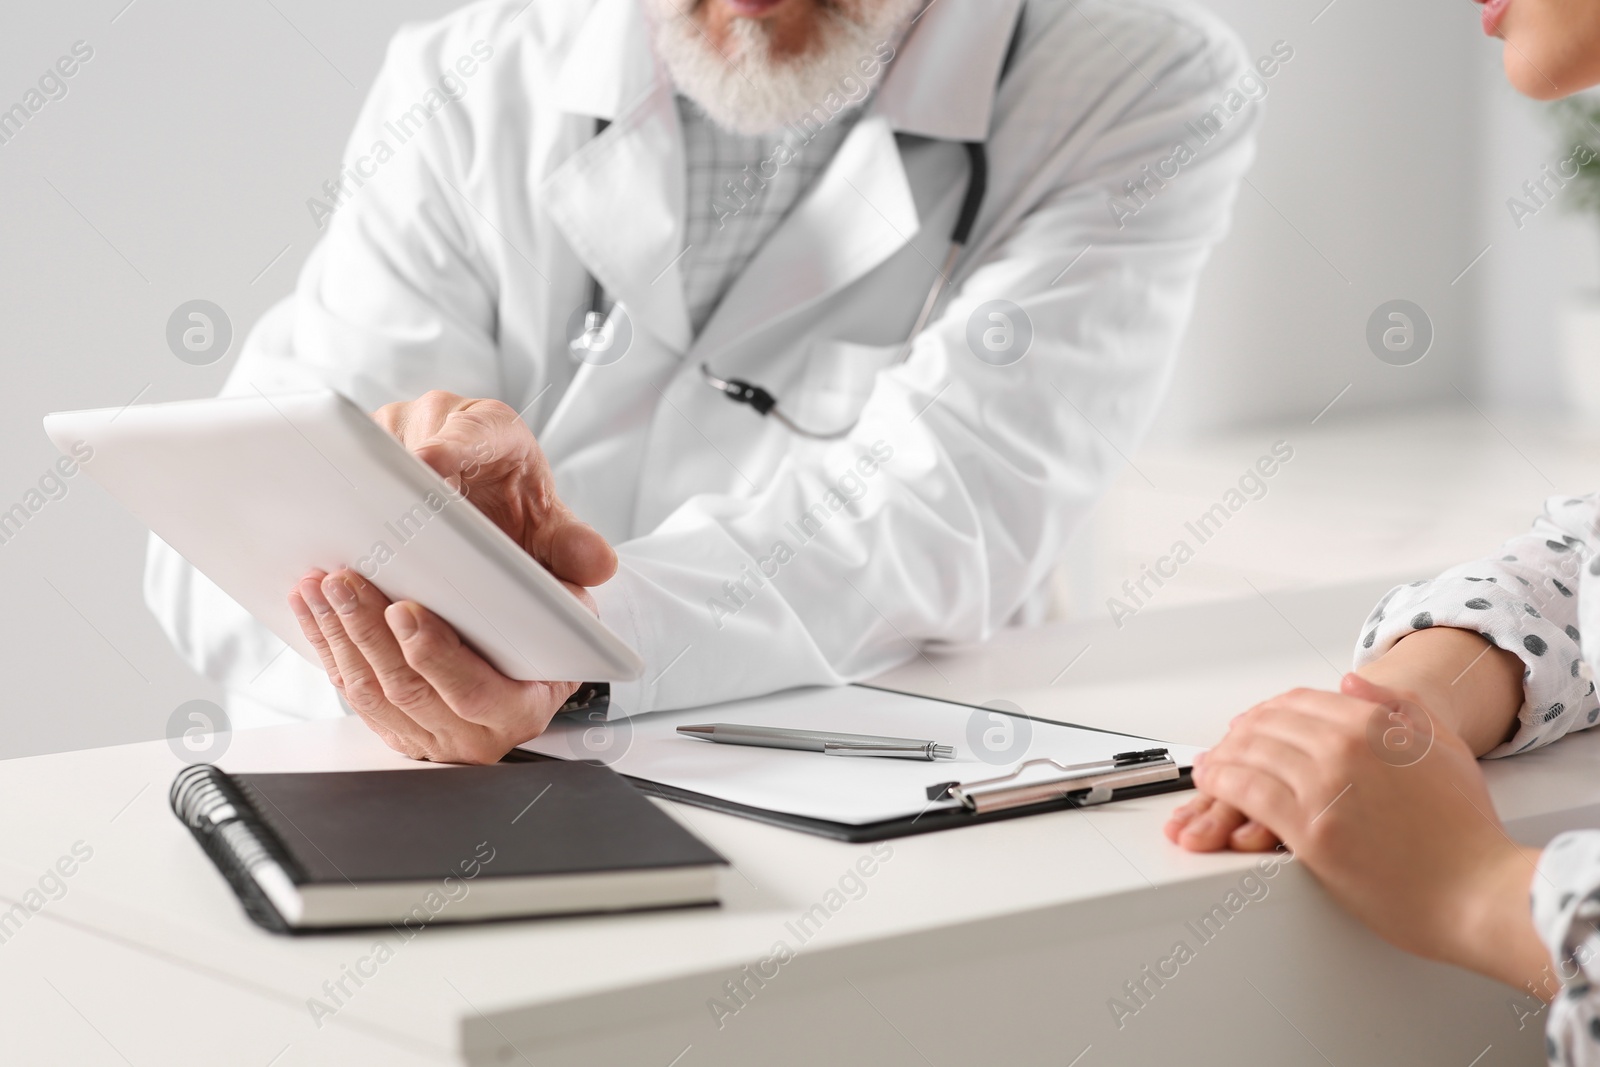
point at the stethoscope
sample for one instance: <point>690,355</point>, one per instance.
<point>597,336</point>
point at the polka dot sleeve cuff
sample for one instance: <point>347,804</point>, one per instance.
<point>1566,913</point>
<point>1524,600</point>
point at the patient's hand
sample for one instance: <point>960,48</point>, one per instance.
<point>1205,824</point>
<point>1412,847</point>
<point>402,668</point>
<point>1471,689</point>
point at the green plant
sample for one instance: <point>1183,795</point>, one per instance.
<point>1578,119</point>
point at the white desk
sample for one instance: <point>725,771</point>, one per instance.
<point>990,945</point>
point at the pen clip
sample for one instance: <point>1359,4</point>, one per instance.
<point>927,751</point>
<point>1098,778</point>
<point>1118,762</point>
<point>1121,761</point>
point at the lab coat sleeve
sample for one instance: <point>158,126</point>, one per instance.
<point>1535,597</point>
<point>396,299</point>
<point>950,502</point>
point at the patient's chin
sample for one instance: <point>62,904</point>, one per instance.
<point>1545,76</point>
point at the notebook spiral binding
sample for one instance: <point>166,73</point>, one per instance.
<point>233,835</point>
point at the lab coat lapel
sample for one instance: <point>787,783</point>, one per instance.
<point>619,199</point>
<point>942,83</point>
<point>860,213</point>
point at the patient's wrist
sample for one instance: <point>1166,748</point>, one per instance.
<point>1469,686</point>
<point>1493,932</point>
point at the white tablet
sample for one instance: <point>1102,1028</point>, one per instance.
<point>255,491</point>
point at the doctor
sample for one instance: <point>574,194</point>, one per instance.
<point>599,218</point>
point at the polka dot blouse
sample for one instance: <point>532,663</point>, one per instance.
<point>1536,597</point>
<point>1566,911</point>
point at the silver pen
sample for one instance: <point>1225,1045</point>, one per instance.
<point>831,744</point>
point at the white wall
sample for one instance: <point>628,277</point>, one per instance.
<point>1534,270</point>
<point>183,154</point>
<point>1365,190</point>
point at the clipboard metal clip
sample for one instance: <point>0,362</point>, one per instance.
<point>1097,780</point>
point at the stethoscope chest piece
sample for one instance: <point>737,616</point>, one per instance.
<point>597,337</point>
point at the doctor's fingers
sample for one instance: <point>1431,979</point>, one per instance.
<point>491,448</point>
<point>573,550</point>
<point>313,633</point>
<point>508,710</point>
<point>341,614</point>
<point>335,647</point>
<point>474,444</point>
<point>482,440</point>
<point>454,739</point>
<point>484,445</point>
<point>470,442</point>
<point>414,421</point>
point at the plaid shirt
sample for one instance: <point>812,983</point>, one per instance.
<point>739,189</point>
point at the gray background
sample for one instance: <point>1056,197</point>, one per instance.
<point>183,154</point>
<point>179,165</point>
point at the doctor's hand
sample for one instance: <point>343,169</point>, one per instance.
<point>412,680</point>
<point>403,669</point>
<point>485,450</point>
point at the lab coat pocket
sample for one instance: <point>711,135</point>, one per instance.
<point>838,379</point>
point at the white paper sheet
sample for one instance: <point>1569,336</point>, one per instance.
<point>844,789</point>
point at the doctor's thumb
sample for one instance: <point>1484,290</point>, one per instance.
<point>578,554</point>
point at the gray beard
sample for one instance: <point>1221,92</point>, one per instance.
<point>746,90</point>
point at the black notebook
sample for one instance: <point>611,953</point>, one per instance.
<point>416,847</point>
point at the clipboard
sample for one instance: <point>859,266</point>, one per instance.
<point>858,833</point>
<point>1034,786</point>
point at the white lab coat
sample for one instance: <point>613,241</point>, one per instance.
<point>460,257</point>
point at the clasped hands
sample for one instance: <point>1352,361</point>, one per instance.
<point>1447,686</point>
<point>402,668</point>
<point>1376,789</point>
